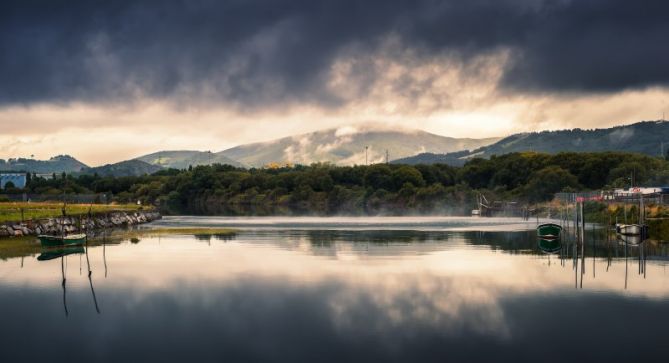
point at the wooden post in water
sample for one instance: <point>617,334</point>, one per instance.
<point>577,223</point>
<point>625,212</point>
<point>582,223</point>
<point>582,235</point>
<point>62,269</point>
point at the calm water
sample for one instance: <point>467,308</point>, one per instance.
<point>340,289</point>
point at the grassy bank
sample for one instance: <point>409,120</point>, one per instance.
<point>17,211</point>
<point>18,247</point>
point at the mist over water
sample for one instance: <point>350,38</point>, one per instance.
<point>414,223</point>
<point>340,289</point>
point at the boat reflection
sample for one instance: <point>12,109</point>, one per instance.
<point>59,252</point>
<point>63,252</point>
<point>549,245</point>
<point>589,249</point>
<point>630,239</point>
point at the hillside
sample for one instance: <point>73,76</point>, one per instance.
<point>124,168</point>
<point>646,137</point>
<point>346,146</point>
<point>182,159</point>
<point>643,137</point>
<point>57,164</point>
<point>453,159</point>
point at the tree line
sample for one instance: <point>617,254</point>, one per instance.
<point>375,189</point>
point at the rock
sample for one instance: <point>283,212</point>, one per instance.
<point>76,224</point>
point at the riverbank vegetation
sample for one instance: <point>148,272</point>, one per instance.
<point>19,211</point>
<point>326,189</point>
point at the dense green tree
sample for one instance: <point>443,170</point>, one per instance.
<point>380,188</point>
<point>9,186</point>
<point>407,175</point>
<point>477,173</point>
<point>546,182</point>
<point>379,176</point>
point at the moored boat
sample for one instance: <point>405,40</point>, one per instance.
<point>54,241</point>
<point>631,229</point>
<point>549,231</point>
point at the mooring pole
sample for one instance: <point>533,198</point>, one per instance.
<point>582,244</point>
<point>582,223</point>
<point>575,217</point>
<point>625,211</point>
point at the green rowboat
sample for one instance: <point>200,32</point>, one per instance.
<point>54,241</point>
<point>549,231</point>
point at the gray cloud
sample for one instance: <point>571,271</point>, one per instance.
<point>259,52</point>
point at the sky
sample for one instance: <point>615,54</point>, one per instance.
<point>106,81</point>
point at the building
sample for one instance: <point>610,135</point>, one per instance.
<point>45,176</point>
<point>18,179</point>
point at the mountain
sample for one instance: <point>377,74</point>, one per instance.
<point>124,168</point>
<point>346,146</point>
<point>182,159</point>
<point>57,164</point>
<point>646,137</point>
<point>453,159</point>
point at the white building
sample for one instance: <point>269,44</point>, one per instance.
<point>18,179</point>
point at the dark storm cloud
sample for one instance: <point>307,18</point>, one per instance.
<point>258,51</point>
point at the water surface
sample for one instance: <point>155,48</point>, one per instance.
<point>340,289</point>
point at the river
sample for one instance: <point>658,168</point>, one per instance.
<point>339,289</point>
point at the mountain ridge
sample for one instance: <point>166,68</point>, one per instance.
<point>182,159</point>
<point>348,145</point>
<point>56,164</point>
<point>644,137</point>
<point>124,168</point>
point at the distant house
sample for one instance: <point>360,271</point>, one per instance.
<point>18,179</point>
<point>45,176</point>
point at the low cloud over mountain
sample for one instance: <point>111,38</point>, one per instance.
<point>347,146</point>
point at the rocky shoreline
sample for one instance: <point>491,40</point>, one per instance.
<point>77,224</point>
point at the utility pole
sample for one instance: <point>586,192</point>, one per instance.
<point>386,156</point>
<point>632,180</point>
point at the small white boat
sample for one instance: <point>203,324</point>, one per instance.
<point>629,229</point>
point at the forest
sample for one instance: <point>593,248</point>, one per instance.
<point>379,189</point>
